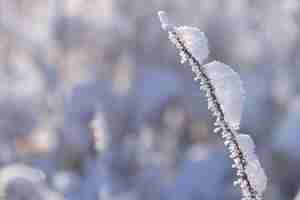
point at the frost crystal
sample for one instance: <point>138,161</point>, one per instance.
<point>195,41</point>
<point>228,89</point>
<point>253,169</point>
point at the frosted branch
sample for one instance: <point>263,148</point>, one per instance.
<point>225,94</point>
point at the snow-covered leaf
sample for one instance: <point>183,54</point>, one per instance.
<point>228,89</point>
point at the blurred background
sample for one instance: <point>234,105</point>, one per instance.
<point>94,104</point>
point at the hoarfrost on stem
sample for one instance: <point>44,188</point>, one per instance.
<point>195,41</point>
<point>229,90</point>
<point>225,94</point>
<point>192,37</point>
<point>254,170</point>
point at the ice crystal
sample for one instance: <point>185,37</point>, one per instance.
<point>224,92</point>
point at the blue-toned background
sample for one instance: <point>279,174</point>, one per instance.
<point>94,104</point>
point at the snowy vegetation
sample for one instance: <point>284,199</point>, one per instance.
<point>94,104</point>
<point>225,94</point>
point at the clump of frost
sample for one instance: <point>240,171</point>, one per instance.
<point>195,41</point>
<point>229,90</point>
<point>192,37</point>
<point>254,170</point>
